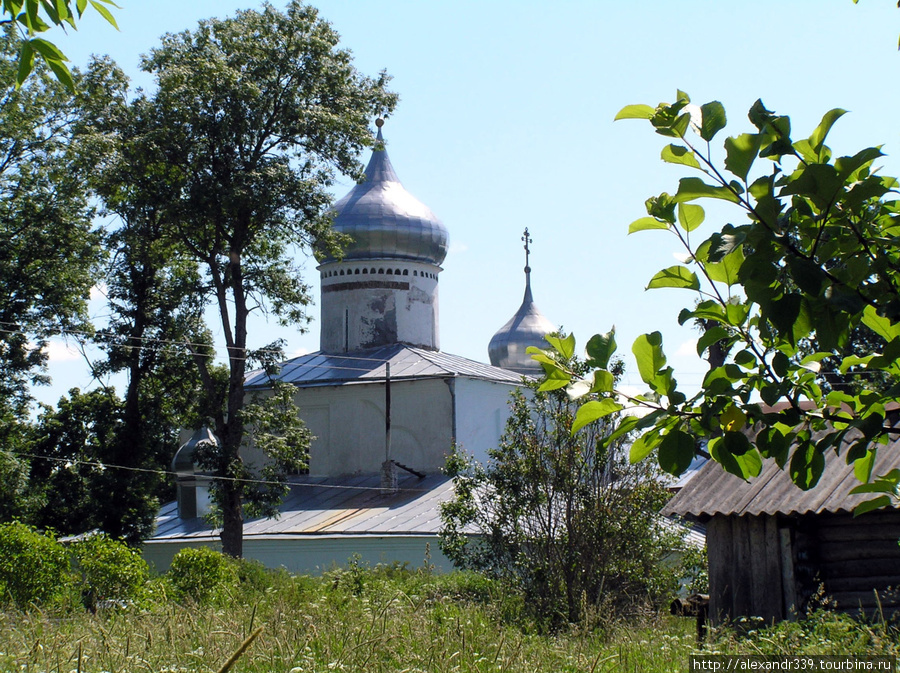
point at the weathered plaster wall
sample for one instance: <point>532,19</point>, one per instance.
<point>379,302</point>
<point>349,424</point>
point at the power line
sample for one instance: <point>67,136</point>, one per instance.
<point>172,344</point>
<point>261,482</point>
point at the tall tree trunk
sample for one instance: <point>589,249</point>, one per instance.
<point>232,501</point>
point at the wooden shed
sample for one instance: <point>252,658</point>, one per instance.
<point>775,550</point>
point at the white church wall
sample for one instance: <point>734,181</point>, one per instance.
<point>482,408</point>
<point>349,424</point>
<point>315,555</point>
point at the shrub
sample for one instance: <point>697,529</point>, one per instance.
<point>562,518</point>
<point>34,567</point>
<point>111,571</point>
<point>201,574</point>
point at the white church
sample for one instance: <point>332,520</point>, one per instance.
<point>383,401</point>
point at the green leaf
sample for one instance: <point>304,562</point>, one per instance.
<point>594,410</point>
<point>817,139</point>
<point>746,465</point>
<point>675,276</point>
<point>871,505</point>
<point>61,72</point>
<point>690,189</point>
<point>806,465</point>
<point>879,324</point>
<point>604,382</point>
<point>52,12</point>
<point>661,207</point>
<point>884,483</point>
<point>600,349</point>
<point>709,337</point>
<point>26,63</point>
<point>740,153</point>
<point>713,119</point>
<point>553,383</point>
<point>80,5</point>
<point>735,442</point>
<point>625,426</point>
<point>727,271</point>
<point>644,223</point>
<point>678,154</point>
<point>773,444</point>
<point>807,274</point>
<point>784,313</point>
<point>862,467</point>
<point>635,112</point>
<point>47,50</point>
<point>105,13</point>
<point>750,463</point>
<point>565,347</point>
<point>649,354</point>
<point>643,446</point>
<point>690,216</point>
<point>676,451</point>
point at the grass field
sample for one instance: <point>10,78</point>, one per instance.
<point>384,619</point>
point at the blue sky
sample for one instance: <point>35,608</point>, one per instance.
<point>506,121</point>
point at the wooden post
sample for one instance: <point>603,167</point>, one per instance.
<point>388,470</point>
<point>788,581</point>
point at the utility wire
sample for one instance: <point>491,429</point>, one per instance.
<point>111,338</point>
<point>262,482</point>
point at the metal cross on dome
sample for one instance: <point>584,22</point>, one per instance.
<point>527,240</point>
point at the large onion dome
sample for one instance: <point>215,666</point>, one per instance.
<point>385,221</point>
<point>528,327</point>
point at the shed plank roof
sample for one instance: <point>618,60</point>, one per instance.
<point>714,491</point>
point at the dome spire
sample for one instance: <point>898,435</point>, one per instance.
<point>528,327</point>
<point>528,240</point>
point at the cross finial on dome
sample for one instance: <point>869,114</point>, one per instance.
<point>527,240</point>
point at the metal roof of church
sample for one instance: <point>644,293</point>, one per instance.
<point>332,506</point>
<point>407,363</point>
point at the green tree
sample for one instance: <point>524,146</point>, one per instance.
<point>31,17</point>
<point>559,515</point>
<point>260,111</point>
<point>151,294</point>
<point>48,248</point>
<point>74,442</point>
<point>815,260</point>
<point>34,566</point>
<point>110,571</point>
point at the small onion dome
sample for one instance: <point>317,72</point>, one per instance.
<point>385,221</point>
<point>528,327</point>
<point>183,464</point>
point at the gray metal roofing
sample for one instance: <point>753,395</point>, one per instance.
<point>317,506</point>
<point>407,363</point>
<point>714,491</point>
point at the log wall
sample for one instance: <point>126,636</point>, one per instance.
<point>776,567</point>
<point>857,557</point>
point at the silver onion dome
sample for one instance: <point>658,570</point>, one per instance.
<point>528,327</point>
<point>385,221</point>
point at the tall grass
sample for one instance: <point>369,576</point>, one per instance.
<point>358,619</point>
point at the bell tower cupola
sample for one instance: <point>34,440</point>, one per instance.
<point>384,289</point>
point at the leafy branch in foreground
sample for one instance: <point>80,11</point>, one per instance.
<point>818,255</point>
<point>31,18</point>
